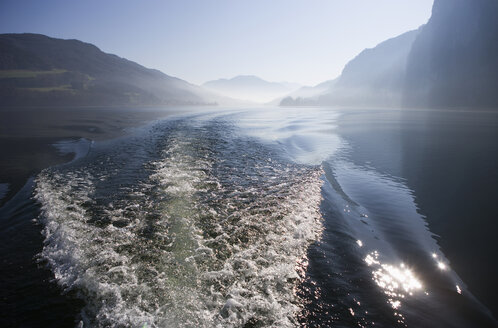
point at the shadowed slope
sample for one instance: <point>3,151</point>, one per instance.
<point>39,70</point>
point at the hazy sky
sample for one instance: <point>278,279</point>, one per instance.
<point>306,41</point>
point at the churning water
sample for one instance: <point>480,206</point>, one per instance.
<point>250,218</point>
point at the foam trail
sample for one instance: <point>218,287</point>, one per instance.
<point>211,236</point>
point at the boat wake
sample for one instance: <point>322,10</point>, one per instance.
<point>188,225</point>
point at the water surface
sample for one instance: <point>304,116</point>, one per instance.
<point>262,217</point>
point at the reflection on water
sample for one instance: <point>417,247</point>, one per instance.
<point>397,282</point>
<point>370,203</point>
<point>256,218</point>
<point>440,263</point>
<point>307,136</point>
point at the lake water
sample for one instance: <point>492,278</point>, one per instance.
<point>262,218</point>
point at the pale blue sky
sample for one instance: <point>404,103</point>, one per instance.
<point>305,41</point>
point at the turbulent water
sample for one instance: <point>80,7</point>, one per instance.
<point>187,225</point>
<point>243,219</point>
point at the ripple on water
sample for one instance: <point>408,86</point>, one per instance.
<point>211,234</point>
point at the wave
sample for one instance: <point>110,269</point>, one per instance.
<point>208,230</point>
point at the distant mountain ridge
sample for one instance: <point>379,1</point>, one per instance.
<point>306,95</point>
<point>250,87</point>
<point>375,77</point>
<point>450,62</point>
<point>37,70</point>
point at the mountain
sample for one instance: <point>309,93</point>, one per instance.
<point>37,70</point>
<point>452,61</point>
<point>249,87</point>
<point>305,94</point>
<point>375,77</point>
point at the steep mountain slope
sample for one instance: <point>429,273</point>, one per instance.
<point>252,88</point>
<point>43,71</point>
<point>454,60</point>
<point>450,62</point>
<point>373,78</point>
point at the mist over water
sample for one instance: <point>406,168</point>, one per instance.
<point>135,196</point>
<point>255,218</point>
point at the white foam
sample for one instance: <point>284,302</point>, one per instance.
<point>79,147</point>
<point>213,254</point>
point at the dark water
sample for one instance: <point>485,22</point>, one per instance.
<point>262,218</point>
